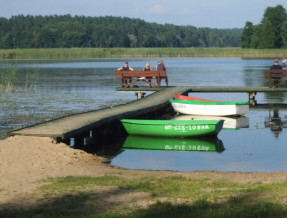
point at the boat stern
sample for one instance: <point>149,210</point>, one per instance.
<point>219,126</point>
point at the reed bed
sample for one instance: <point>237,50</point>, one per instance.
<point>62,53</point>
<point>7,80</point>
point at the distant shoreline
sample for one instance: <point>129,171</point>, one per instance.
<point>64,53</point>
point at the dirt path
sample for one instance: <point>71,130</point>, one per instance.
<point>26,160</point>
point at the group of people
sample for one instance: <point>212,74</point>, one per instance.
<point>277,66</point>
<point>159,67</point>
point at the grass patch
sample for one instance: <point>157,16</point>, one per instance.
<point>168,187</point>
<point>208,209</point>
<point>70,183</point>
<point>173,196</point>
<point>198,209</point>
<point>61,53</point>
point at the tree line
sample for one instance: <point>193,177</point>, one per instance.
<point>270,33</point>
<point>79,31</point>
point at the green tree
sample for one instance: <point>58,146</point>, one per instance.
<point>133,40</point>
<point>256,38</point>
<point>268,35</point>
<point>273,18</point>
<point>284,34</point>
<point>79,31</point>
<point>247,33</point>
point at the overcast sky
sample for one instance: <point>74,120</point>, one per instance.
<point>199,13</point>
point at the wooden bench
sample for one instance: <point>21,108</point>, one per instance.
<point>130,77</point>
<point>275,77</point>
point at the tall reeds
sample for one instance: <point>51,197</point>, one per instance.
<point>61,53</point>
<point>7,80</point>
<point>30,81</point>
<point>9,77</point>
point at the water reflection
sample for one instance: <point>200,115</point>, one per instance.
<point>229,122</point>
<point>275,122</point>
<point>278,97</point>
<point>211,144</point>
<point>108,147</point>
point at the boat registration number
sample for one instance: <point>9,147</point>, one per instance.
<point>186,127</point>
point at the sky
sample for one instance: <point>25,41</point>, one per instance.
<point>199,13</point>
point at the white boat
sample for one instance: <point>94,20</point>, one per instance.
<point>209,108</point>
<point>231,123</point>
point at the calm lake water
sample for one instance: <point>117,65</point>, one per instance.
<point>44,89</point>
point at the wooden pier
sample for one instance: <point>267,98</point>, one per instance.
<point>251,91</point>
<point>243,89</point>
<point>92,123</point>
<point>82,124</point>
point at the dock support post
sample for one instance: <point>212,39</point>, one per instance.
<point>56,140</point>
<point>252,100</point>
<point>139,95</point>
<point>79,141</point>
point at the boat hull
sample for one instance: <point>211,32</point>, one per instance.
<point>172,128</point>
<point>210,108</point>
<point>231,123</point>
<point>184,97</point>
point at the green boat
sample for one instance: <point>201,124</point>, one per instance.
<point>172,128</point>
<point>207,144</point>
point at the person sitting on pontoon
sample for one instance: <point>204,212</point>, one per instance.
<point>147,68</point>
<point>126,68</point>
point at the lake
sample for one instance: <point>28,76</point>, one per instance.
<point>44,89</point>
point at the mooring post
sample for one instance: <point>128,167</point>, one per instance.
<point>252,100</point>
<point>139,95</point>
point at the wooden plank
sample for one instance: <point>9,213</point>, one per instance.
<point>139,73</point>
<point>69,126</point>
<point>227,89</point>
<point>72,125</point>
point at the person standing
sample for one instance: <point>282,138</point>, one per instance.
<point>161,67</point>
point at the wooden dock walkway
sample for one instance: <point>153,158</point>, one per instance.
<point>70,126</point>
<point>251,90</point>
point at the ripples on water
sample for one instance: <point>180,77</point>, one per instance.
<point>48,88</point>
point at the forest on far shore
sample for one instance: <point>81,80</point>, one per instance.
<point>68,31</point>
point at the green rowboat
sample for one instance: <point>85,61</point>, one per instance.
<point>207,144</point>
<point>172,128</point>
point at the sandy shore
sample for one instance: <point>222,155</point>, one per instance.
<point>24,161</point>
